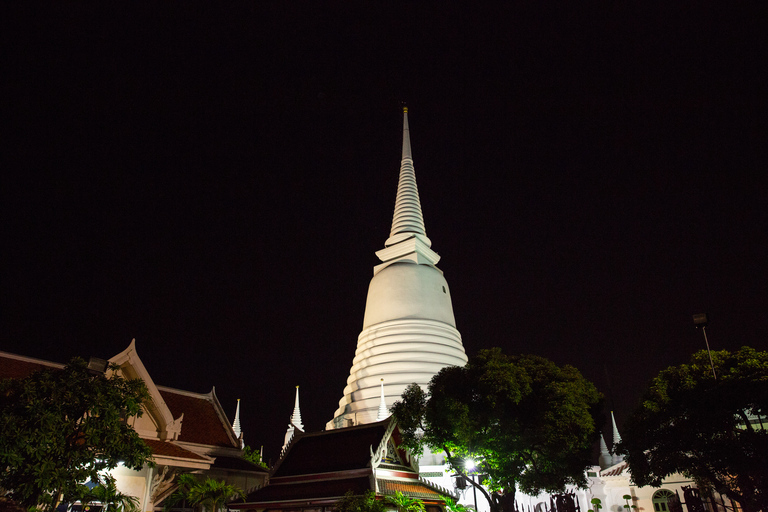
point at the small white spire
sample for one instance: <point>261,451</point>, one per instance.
<point>605,459</point>
<point>295,422</point>
<point>383,412</point>
<point>236,424</point>
<point>296,417</point>
<point>616,440</point>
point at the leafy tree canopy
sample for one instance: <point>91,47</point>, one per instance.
<point>711,429</point>
<point>253,457</point>
<point>60,428</point>
<point>522,419</point>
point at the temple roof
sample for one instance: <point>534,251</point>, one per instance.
<point>417,489</point>
<point>321,467</point>
<point>169,449</point>
<point>13,366</point>
<point>321,452</point>
<point>202,422</point>
<point>308,491</point>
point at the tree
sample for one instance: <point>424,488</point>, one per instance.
<point>253,457</point>
<point>214,494</point>
<point>210,494</point>
<point>692,423</point>
<point>405,503</point>
<point>110,498</point>
<point>452,506</point>
<point>522,419</point>
<point>367,502</point>
<point>184,483</point>
<point>60,428</point>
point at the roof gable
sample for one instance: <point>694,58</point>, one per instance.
<point>204,420</point>
<point>131,367</point>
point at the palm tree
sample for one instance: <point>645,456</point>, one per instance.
<point>213,494</point>
<point>184,483</point>
<point>453,506</point>
<point>210,494</point>
<point>405,503</point>
<point>110,498</point>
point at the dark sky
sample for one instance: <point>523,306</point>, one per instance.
<point>213,180</point>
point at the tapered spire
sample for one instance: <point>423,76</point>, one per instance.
<point>296,417</point>
<point>295,422</point>
<point>616,440</point>
<point>383,411</point>
<point>408,218</point>
<point>408,236</point>
<point>236,425</point>
<point>605,460</point>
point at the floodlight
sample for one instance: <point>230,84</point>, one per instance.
<point>700,319</point>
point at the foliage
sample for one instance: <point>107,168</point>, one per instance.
<point>691,423</point>
<point>180,496</point>
<point>110,498</point>
<point>60,428</point>
<point>253,457</point>
<point>524,420</point>
<point>360,503</point>
<point>405,503</point>
<point>452,506</point>
<point>210,494</point>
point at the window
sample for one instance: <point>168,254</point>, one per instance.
<point>661,499</point>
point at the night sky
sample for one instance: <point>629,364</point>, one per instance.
<point>213,180</point>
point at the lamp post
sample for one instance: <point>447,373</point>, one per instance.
<point>700,319</point>
<point>469,465</point>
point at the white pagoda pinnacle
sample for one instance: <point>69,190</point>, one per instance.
<point>236,424</point>
<point>605,459</point>
<point>383,411</point>
<point>295,422</point>
<point>616,440</point>
<point>409,331</point>
<point>408,217</point>
<point>296,417</point>
<point>408,237</point>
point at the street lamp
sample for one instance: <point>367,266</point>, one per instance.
<point>469,465</point>
<point>700,320</point>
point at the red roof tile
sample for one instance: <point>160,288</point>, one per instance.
<point>614,470</point>
<point>307,491</point>
<point>414,489</point>
<point>13,366</point>
<point>201,424</point>
<point>168,449</point>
